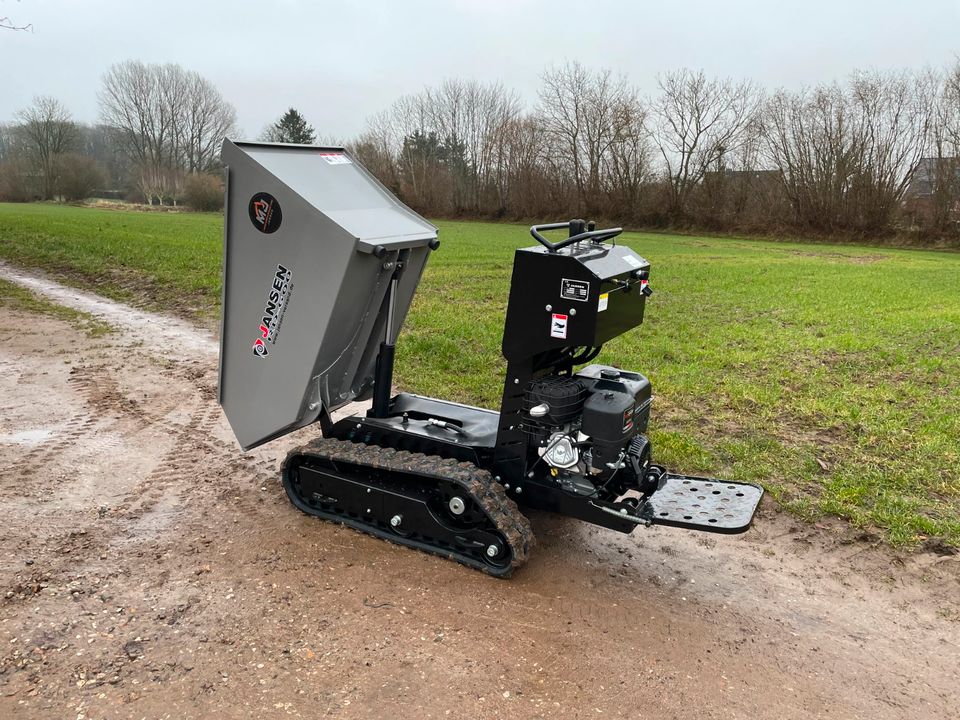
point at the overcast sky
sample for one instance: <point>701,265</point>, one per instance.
<point>339,62</point>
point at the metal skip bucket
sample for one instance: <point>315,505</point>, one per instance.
<point>310,242</point>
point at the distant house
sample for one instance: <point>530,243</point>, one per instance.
<point>934,191</point>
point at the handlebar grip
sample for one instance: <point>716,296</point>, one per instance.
<point>597,235</point>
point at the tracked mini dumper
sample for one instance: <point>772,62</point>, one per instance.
<point>320,266</point>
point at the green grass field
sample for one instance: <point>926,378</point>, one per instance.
<point>830,374</point>
<point>15,296</point>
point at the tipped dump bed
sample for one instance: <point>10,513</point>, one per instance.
<point>310,238</point>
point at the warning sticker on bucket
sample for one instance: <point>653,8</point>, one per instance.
<point>558,326</point>
<point>574,290</point>
<point>336,158</point>
<point>604,301</point>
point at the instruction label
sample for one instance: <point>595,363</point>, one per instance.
<point>336,158</point>
<point>604,301</point>
<point>578,290</point>
<point>632,261</point>
<point>558,326</point>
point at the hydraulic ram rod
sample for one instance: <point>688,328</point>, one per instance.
<point>383,374</point>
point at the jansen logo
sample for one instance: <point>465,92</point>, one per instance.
<point>265,212</point>
<point>274,310</point>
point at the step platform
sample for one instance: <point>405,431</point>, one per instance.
<point>706,504</point>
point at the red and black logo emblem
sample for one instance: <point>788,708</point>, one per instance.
<point>273,312</point>
<point>265,212</point>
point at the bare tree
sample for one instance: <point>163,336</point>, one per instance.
<point>101,143</point>
<point>132,101</point>
<point>743,190</point>
<point>78,176</point>
<point>443,149</point>
<point>949,107</point>
<point>939,175</point>
<point>8,141</point>
<point>531,192</point>
<point>8,24</point>
<point>419,154</point>
<point>376,148</point>
<point>48,130</point>
<point>15,181</point>
<point>171,122</point>
<point>895,112</point>
<point>846,154</point>
<point>586,114</point>
<point>208,119</point>
<point>811,141</point>
<point>630,164</point>
<point>471,119</point>
<point>696,122</point>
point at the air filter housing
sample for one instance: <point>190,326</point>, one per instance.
<point>564,395</point>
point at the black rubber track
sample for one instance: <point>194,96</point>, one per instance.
<point>478,484</point>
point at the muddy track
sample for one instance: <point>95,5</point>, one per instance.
<point>195,443</point>
<point>150,569</point>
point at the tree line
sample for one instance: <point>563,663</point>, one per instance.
<point>874,154</point>
<point>871,155</point>
<point>158,141</point>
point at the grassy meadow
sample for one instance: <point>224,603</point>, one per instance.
<point>15,296</point>
<point>830,374</point>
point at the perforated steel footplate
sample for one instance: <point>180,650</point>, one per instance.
<point>699,503</point>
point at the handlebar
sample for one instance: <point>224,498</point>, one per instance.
<point>596,235</point>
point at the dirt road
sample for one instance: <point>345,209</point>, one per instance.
<point>149,569</point>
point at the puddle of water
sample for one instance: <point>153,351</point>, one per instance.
<point>26,437</point>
